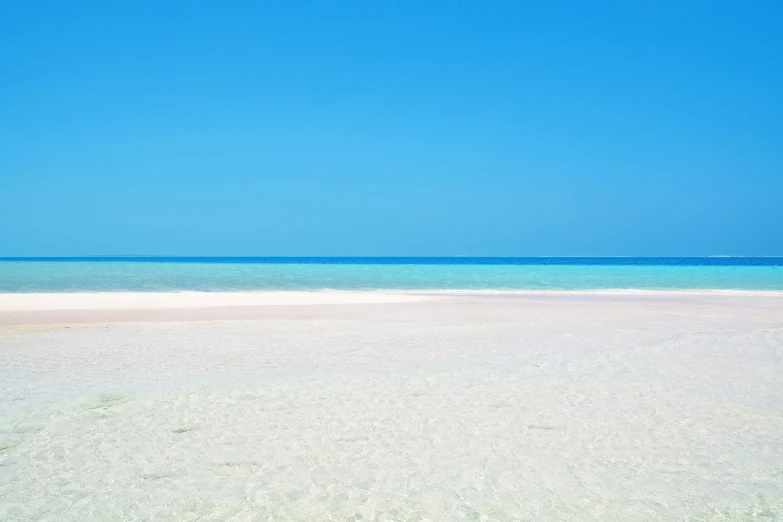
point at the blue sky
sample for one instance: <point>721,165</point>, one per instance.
<point>391,128</point>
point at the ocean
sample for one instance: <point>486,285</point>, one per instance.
<point>116,274</point>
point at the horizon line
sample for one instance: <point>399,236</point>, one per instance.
<point>462,256</point>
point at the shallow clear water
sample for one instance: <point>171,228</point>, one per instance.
<point>227,274</point>
<point>597,408</point>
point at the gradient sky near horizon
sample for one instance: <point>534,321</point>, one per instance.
<point>391,128</point>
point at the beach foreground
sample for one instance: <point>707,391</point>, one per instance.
<point>399,406</point>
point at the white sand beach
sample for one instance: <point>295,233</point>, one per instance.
<point>189,300</point>
<point>391,406</point>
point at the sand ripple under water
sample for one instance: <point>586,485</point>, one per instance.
<point>609,409</point>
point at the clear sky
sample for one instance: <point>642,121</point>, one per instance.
<point>391,128</point>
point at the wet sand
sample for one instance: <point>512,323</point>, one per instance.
<point>420,406</point>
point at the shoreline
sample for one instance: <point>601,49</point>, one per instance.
<point>188,299</point>
<point>27,309</point>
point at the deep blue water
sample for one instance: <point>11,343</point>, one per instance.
<point>374,273</point>
<point>586,261</point>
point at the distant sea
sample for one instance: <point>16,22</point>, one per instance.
<point>113,274</point>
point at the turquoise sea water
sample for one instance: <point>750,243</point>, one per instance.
<point>235,274</point>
